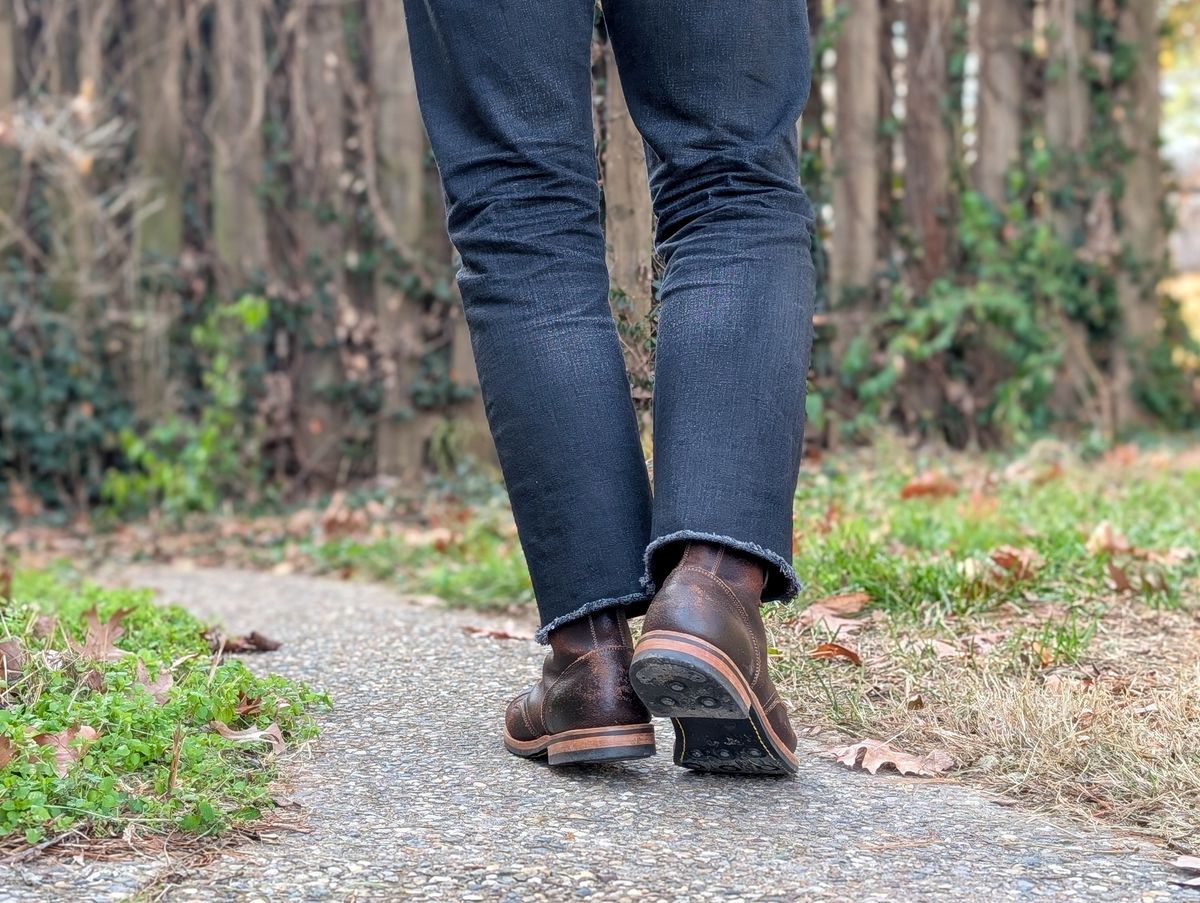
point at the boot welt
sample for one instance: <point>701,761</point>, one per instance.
<point>720,725</point>
<point>589,744</point>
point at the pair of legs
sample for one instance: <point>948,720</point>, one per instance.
<point>716,89</point>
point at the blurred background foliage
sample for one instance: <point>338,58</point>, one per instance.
<point>224,273</point>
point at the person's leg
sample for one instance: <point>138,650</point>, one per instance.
<point>505,91</point>
<point>716,89</point>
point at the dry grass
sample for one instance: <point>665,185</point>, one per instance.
<point>1063,691</point>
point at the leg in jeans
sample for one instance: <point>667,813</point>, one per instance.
<point>505,91</point>
<point>716,89</point>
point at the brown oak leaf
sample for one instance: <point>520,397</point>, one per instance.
<point>160,688</point>
<point>98,642</point>
<point>6,751</point>
<point>12,660</point>
<point>871,755</point>
<point>829,614</point>
<point>836,650</point>
<point>66,751</point>
<point>1021,564</point>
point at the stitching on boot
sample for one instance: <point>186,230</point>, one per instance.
<point>745,616</point>
<point>525,714</point>
<point>720,557</point>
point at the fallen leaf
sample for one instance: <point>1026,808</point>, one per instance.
<point>6,751</point>
<point>247,705</point>
<point>66,751</point>
<point>871,755</point>
<point>979,505</point>
<point>94,680</point>
<point>98,643</point>
<point>44,626</point>
<point>6,580</point>
<point>1042,654</point>
<point>1106,538</point>
<point>1190,863</point>
<point>836,650</point>
<point>12,660</point>
<point>944,650</point>
<point>239,645</point>
<point>472,630</point>
<point>270,734</point>
<point>828,614</point>
<point>931,484</point>
<point>160,689</point>
<point>1021,563</point>
<point>1120,578</point>
<point>983,643</point>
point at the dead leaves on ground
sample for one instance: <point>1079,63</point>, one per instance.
<point>99,641</point>
<point>252,642</point>
<point>930,484</point>
<point>836,651</point>
<point>1129,568</point>
<point>160,688</point>
<point>829,614</point>
<point>871,755</point>
<point>270,734</point>
<point>69,746</point>
<point>492,634</point>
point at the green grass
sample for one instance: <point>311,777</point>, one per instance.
<point>922,556</point>
<point>153,767</point>
<point>478,564</point>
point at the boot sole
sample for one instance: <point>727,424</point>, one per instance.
<point>720,726</point>
<point>589,744</point>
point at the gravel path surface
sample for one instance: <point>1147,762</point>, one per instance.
<point>408,794</point>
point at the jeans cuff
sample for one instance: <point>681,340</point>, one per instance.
<point>543,635</point>
<point>782,583</point>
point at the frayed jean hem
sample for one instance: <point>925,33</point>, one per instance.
<point>784,572</point>
<point>543,635</point>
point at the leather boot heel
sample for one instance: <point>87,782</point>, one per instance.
<point>720,725</point>
<point>583,709</point>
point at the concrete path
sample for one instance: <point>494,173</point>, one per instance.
<point>408,794</point>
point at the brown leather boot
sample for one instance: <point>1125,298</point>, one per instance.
<point>583,709</point>
<point>702,662</point>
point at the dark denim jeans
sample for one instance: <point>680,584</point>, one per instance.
<point>716,89</point>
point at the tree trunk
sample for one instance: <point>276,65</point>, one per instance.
<point>1003,29</point>
<point>239,229</point>
<point>629,221</point>
<point>158,28</point>
<point>10,158</point>
<point>158,240</point>
<point>403,431</point>
<point>812,127</point>
<point>1066,108</point>
<point>854,256</point>
<point>885,240</point>
<point>927,142</point>
<point>1142,229</point>
<point>318,138</point>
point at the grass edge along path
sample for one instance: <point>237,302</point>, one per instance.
<point>120,718</point>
